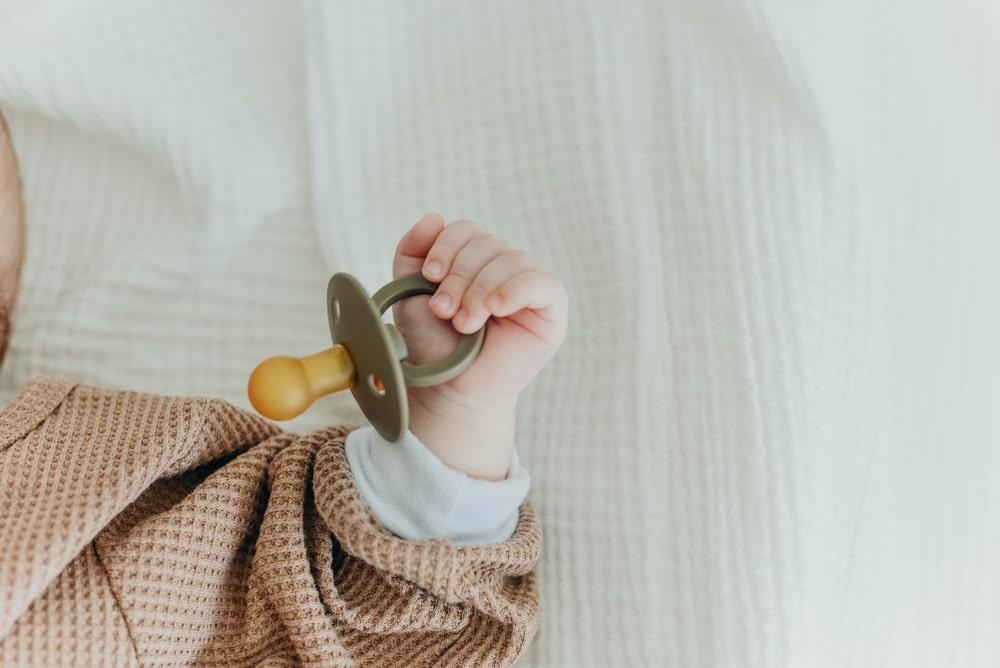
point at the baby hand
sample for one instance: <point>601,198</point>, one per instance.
<point>469,421</point>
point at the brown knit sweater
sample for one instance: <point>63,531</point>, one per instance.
<point>146,530</point>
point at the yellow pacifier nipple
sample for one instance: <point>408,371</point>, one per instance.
<point>281,388</point>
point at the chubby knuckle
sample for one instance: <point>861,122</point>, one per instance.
<point>511,291</point>
<point>489,240</point>
<point>442,249</point>
<point>459,271</point>
<point>519,258</point>
<point>548,277</point>
<point>454,285</point>
<point>475,292</point>
<point>557,286</point>
<point>462,225</point>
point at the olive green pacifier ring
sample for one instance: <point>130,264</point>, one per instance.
<point>368,356</point>
<point>457,361</point>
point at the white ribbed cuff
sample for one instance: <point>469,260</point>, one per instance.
<point>418,497</point>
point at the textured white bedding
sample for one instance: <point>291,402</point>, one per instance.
<point>778,221</point>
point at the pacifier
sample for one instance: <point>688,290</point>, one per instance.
<point>368,356</point>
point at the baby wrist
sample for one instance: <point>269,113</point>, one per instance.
<point>470,435</point>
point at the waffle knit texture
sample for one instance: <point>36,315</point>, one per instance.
<point>147,530</point>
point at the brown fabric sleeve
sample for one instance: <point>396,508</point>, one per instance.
<point>73,457</point>
<point>454,605</point>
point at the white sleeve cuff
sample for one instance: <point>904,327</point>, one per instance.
<point>418,497</point>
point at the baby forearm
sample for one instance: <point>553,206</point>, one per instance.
<point>464,434</point>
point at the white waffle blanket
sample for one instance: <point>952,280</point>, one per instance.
<point>773,436</point>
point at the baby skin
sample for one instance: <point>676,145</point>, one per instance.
<point>469,422</point>
<point>151,530</point>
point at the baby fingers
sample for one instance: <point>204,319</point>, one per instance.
<point>537,291</point>
<point>463,264</point>
<point>446,247</point>
<point>499,271</point>
<point>481,276</point>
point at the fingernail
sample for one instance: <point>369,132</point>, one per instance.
<point>434,268</point>
<point>494,302</point>
<point>442,300</point>
<point>461,316</point>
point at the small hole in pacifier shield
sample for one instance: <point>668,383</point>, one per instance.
<point>376,385</point>
<point>335,309</point>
